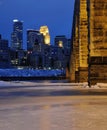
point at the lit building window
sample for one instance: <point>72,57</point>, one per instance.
<point>60,43</point>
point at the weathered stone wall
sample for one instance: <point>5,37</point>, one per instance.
<point>98,74</point>
<point>79,54</point>
<point>98,41</point>
<point>89,39</point>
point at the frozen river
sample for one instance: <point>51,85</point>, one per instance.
<point>72,110</point>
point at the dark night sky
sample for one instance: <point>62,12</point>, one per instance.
<point>56,14</point>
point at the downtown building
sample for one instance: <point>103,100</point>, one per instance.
<point>88,61</point>
<point>18,56</point>
<point>64,44</point>
<point>61,41</point>
<point>4,53</point>
<point>35,48</point>
<point>40,53</point>
<point>34,37</point>
<point>17,35</point>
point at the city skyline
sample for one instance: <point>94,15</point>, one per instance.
<point>56,15</point>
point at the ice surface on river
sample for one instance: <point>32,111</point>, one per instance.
<point>50,112</point>
<point>54,113</point>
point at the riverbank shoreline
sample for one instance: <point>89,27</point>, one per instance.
<point>28,78</point>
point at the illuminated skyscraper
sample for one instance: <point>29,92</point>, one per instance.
<point>45,31</point>
<point>89,39</point>
<point>17,35</point>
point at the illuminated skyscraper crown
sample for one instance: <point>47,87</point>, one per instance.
<point>45,31</point>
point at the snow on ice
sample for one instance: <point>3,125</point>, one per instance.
<point>30,72</point>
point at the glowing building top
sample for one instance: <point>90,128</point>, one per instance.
<point>15,20</point>
<point>45,31</point>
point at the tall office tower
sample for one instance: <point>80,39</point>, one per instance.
<point>17,35</point>
<point>34,37</point>
<point>89,40</point>
<point>45,31</point>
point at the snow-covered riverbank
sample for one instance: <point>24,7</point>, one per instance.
<point>30,73</point>
<point>46,84</point>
